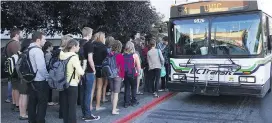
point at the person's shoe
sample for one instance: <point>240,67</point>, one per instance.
<point>105,100</point>
<point>7,100</point>
<point>108,93</point>
<point>135,103</point>
<point>156,95</point>
<point>83,118</point>
<point>115,112</point>
<point>91,118</point>
<point>13,107</point>
<point>23,118</point>
<point>126,105</point>
<point>50,103</point>
<point>161,90</point>
<point>17,109</point>
<point>100,108</point>
<point>60,117</point>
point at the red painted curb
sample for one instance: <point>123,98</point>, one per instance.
<point>143,109</point>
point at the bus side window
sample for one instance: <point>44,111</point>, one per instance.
<point>270,31</point>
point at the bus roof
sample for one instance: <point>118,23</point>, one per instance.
<point>215,6</point>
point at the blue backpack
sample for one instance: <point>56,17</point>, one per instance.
<point>109,66</point>
<point>129,64</point>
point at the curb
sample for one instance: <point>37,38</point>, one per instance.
<point>144,108</point>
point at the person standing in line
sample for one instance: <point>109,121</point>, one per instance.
<point>55,54</point>
<point>88,85</point>
<point>39,88</point>
<point>23,99</point>
<point>74,71</point>
<point>138,50</point>
<point>115,83</point>
<point>132,69</point>
<point>99,54</point>
<point>106,89</point>
<point>163,46</point>
<point>12,48</point>
<point>155,62</point>
<point>47,50</point>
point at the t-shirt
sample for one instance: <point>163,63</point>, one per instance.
<point>13,47</point>
<point>81,50</point>
<point>99,51</point>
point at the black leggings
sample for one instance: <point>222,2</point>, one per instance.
<point>69,102</point>
<point>155,75</point>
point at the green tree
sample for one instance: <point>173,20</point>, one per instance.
<point>119,19</point>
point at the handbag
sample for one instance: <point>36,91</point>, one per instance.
<point>163,71</point>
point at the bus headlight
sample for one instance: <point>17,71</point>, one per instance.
<point>247,79</point>
<point>179,76</point>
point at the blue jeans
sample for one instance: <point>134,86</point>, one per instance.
<point>9,91</point>
<point>86,92</point>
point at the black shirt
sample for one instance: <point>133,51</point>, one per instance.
<point>99,51</point>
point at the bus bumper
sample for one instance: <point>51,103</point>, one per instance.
<point>216,89</point>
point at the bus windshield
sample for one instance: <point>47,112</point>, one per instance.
<point>231,35</point>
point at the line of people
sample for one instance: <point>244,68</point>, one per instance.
<point>85,73</point>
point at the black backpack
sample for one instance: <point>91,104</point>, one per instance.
<point>5,62</point>
<point>24,67</point>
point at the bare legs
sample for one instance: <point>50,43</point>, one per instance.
<point>99,85</point>
<point>114,103</point>
<point>15,97</point>
<point>104,89</point>
<point>23,105</point>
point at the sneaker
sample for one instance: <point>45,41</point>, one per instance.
<point>108,93</point>
<point>161,90</point>
<point>17,109</point>
<point>23,118</point>
<point>135,103</point>
<point>100,108</point>
<point>91,118</point>
<point>13,107</point>
<point>126,105</point>
<point>7,100</point>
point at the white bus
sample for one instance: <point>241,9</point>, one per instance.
<point>220,48</point>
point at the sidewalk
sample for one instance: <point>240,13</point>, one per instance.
<point>8,116</point>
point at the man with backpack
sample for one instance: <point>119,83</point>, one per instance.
<point>38,88</point>
<point>12,48</point>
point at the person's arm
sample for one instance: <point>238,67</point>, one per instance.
<point>161,57</point>
<point>137,61</point>
<point>91,62</point>
<point>120,62</point>
<point>84,66</point>
<point>40,62</point>
<point>76,65</point>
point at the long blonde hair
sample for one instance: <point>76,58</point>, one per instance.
<point>129,48</point>
<point>100,36</point>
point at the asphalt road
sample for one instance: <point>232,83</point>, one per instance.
<point>8,116</point>
<point>190,108</point>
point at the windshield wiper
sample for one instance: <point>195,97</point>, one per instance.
<point>229,58</point>
<point>189,60</point>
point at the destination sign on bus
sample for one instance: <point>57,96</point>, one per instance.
<point>212,6</point>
